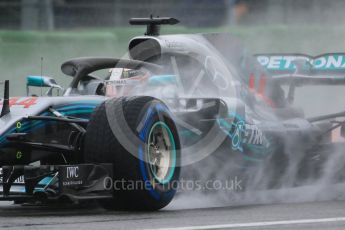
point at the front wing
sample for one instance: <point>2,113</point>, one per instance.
<point>52,182</point>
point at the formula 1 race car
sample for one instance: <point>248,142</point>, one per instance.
<point>121,136</point>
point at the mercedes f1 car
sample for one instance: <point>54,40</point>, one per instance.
<point>121,136</point>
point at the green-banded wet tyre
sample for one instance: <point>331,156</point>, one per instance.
<point>139,137</point>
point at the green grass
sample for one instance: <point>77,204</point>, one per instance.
<point>20,52</point>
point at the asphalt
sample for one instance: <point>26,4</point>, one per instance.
<point>302,215</point>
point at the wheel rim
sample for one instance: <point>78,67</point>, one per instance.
<point>161,152</point>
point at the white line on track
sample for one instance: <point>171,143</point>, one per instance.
<point>257,224</point>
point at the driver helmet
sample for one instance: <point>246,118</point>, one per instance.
<point>124,81</point>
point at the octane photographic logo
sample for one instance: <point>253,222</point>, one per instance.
<point>234,184</point>
<point>199,75</point>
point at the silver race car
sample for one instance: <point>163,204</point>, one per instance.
<point>124,128</point>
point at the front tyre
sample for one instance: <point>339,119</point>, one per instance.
<point>139,137</point>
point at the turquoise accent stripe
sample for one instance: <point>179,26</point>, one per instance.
<point>75,107</point>
<point>162,80</point>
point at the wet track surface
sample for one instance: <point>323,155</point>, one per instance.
<point>311,215</point>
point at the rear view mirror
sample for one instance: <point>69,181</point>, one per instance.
<point>42,81</point>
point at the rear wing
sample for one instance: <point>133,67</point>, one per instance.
<point>301,69</point>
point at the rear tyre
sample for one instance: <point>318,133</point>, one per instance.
<point>138,136</point>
